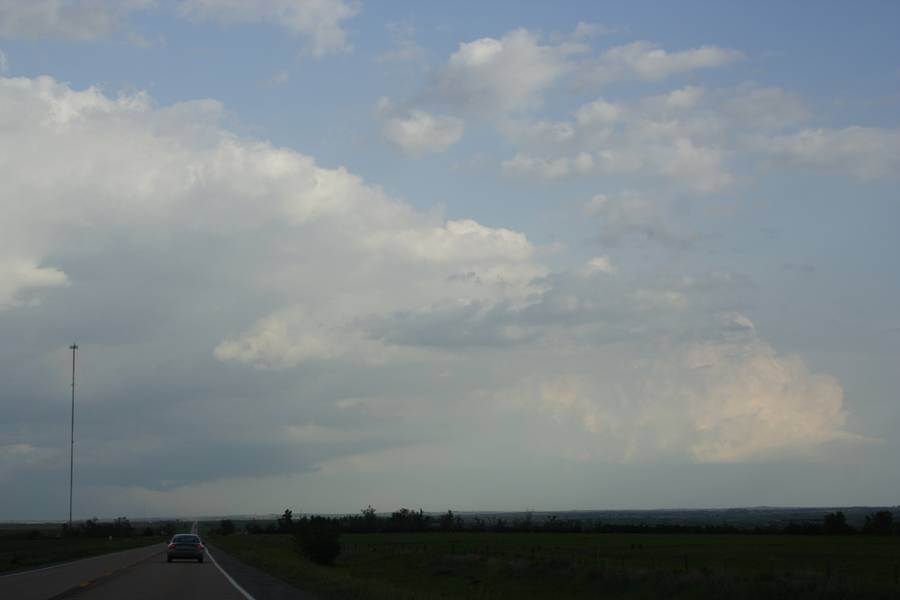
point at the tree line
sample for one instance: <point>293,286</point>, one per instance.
<point>406,520</point>
<point>120,527</point>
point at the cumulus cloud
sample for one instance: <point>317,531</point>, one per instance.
<point>77,19</point>
<point>648,62</point>
<point>493,75</point>
<point>599,264</point>
<point>684,137</point>
<point>607,138</point>
<point>177,164</point>
<point>631,214</point>
<point>536,134</point>
<point>861,152</point>
<point>305,317</point>
<point>418,133</point>
<point>731,400</point>
<point>319,20</point>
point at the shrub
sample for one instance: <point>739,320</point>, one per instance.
<point>318,539</point>
<point>226,526</point>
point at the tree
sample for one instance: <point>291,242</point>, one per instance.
<point>447,521</point>
<point>286,521</point>
<point>370,519</point>
<point>881,523</point>
<point>409,520</point>
<point>835,524</point>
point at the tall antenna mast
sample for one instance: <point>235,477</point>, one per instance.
<point>73,348</point>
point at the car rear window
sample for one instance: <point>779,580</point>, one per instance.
<point>186,539</point>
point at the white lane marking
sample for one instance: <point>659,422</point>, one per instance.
<point>71,562</point>
<point>228,577</point>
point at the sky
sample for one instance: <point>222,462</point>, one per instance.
<point>325,254</point>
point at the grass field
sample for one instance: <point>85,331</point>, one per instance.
<point>542,565</point>
<point>17,554</point>
<point>33,545</point>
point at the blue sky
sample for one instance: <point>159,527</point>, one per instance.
<point>387,254</point>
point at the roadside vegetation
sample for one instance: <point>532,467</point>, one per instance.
<point>413,555</point>
<point>28,546</point>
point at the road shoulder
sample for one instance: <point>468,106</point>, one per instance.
<point>258,584</point>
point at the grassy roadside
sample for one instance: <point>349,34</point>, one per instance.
<point>491,565</point>
<point>20,554</point>
<point>275,555</point>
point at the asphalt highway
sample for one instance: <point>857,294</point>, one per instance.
<point>155,578</point>
<point>144,574</point>
<point>52,581</point>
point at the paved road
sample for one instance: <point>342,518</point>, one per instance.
<point>40,584</point>
<point>144,574</point>
<point>155,578</point>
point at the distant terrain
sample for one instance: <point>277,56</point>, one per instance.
<point>742,518</point>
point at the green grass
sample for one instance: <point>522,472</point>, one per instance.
<point>23,546</point>
<point>518,565</point>
<point>18,554</point>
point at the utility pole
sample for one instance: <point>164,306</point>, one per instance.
<point>73,348</point>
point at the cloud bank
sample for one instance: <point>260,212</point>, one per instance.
<point>235,298</point>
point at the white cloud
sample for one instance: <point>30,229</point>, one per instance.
<point>404,48</point>
<point>4,63</point>
<point>689,136</point>
<point>281,292</point>
<point>861,152</point>
<point>648,62</point>
<point>73,19</point>
<point>319,20</point>
<point>549,168</point>
<point>767,108</point>
<point>540,135</point>
<point>18,275</point>
<point>609,139</point>
<point>120,164</point>
<point>500,75</point>
<point>599,113</point>
<point>22,456</point>
<point>419,133</point>
<point>599,264</point>
<point>287,338</point>
<point>718,401</point>
<point>630,214</point>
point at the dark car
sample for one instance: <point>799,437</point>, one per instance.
<point>185,545</point>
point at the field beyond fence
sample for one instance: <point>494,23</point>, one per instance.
<point>547,565</point>
<point>27,546</point>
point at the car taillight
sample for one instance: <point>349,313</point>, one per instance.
<point>200,546</point>
<point>171,546</point>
